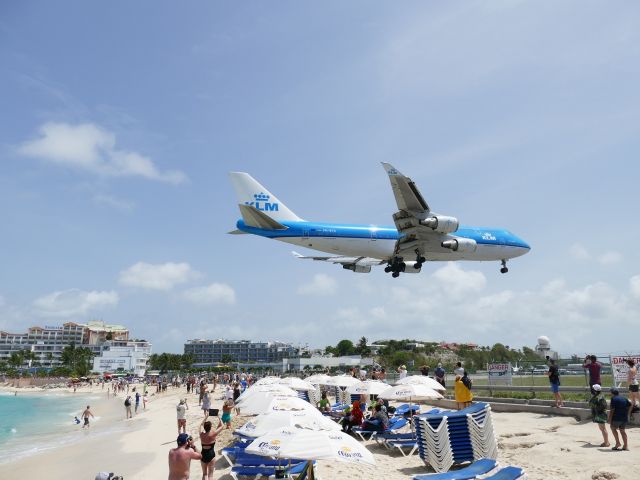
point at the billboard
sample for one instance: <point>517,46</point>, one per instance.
<point>499,373</point>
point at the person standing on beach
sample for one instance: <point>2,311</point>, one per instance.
<point>440,375</point>
<point>554,380</point>
<point>598,406</point>
<point>402,372</point>
<point>620,409</point>
<point>127,406</point>
<point>181,413</point>
<point>632,384</point>
<point>592,364</point>
<point>85,416</point>
<point>424,370</point>
<point>462,391</point>
<point>181,456</point>
<point>207,448</point>
<point>227,408</point>
<point>137,400</point>
<point>206,404</point>
<point>459,370</point>
<point>145,399</point>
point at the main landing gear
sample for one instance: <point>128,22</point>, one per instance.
<point>504,268</point>
<point>395,265</point>
<point>419,260</point>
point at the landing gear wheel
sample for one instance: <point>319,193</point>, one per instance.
<point>395,274</point>
<point>387,269</point>
<point>421,260</point>
<point>504,268</point>
<point>417,266</point>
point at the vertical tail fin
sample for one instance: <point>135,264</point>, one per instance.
<point>251,192</point>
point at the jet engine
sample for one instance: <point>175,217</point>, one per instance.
<point>357,268</point>
<point>441,224</point>
<point>462,245</point>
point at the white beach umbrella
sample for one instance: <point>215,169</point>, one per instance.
<point>267,381</point>
<point>255,405</point>
<point>265,394</point>
<point>422,380</point>
<point>343,381</point>
<point>296,384</point>
<point>266,422</point>
<point>295,442</point>
<point>368,387</point>
<point>415,391</point>
<point>318,379</point>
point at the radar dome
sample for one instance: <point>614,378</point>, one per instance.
<point>543,340</point>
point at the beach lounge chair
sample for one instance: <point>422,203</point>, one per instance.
<point>263,472</point>
<point>411,446</point>
<point>395,425</point>
<point>507,473</point>
<point>479,467</point>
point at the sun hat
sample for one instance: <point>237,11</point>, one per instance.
<point>596,387</point>
<point>182,439</point>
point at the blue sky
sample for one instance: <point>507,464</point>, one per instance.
<point>122,119</point>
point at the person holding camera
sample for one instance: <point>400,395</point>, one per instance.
<point>592,364</point>
<point>554,380</point>
<point>181,456</point>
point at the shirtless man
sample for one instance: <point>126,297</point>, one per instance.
<point>181,456</point>
<point>85,416</point>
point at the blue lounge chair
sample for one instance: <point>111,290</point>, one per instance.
<point>258,472</point>
<point>507,473</point>
<point>394,427</point>
<point>479,467</point>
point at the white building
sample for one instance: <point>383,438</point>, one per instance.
<point>130,357</point>
<point>322,362</point>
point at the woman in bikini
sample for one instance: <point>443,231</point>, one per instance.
<point>208,443</point>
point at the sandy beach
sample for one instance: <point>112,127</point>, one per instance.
<point>545,446</point>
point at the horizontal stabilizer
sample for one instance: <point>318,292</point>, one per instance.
<point>255,218</point>
<point>237,232</point>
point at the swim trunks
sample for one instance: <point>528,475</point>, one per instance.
<point>86,420</point>
<point>226,417</point>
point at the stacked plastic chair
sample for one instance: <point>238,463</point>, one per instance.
<point>454,437</point>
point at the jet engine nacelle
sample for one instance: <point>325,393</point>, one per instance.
<point>357,268</point>
<point>462,245</point>
<point>410,267</point>
<point>440,223</point>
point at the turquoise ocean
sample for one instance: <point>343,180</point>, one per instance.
<point>31,423</point>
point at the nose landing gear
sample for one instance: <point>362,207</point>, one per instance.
<point>504,268</point>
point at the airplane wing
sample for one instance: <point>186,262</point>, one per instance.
<point>422,230</point>
<point>355,264</point>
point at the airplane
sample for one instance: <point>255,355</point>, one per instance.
<point>420,235</point>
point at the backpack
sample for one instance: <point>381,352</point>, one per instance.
<point>127,403</point>
<point>601,405</point>
<point>467,382</point>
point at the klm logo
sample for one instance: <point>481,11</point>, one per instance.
<point>261,202</point>
<point>488,236</point>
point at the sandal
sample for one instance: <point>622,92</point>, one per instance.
<point>616,448</point>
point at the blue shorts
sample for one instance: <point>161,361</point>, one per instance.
<point>555,387</point>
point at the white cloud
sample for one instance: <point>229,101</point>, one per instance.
<point>114,202</point>
<point>321,285</point>
<point>610,258</point>
<point>210,294</point>
<point>634,284</point>
<point>73,302</point>
<point>88,147</point>
<point>458,282</point>
<point>163,276</point>
<point>579,252</point>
